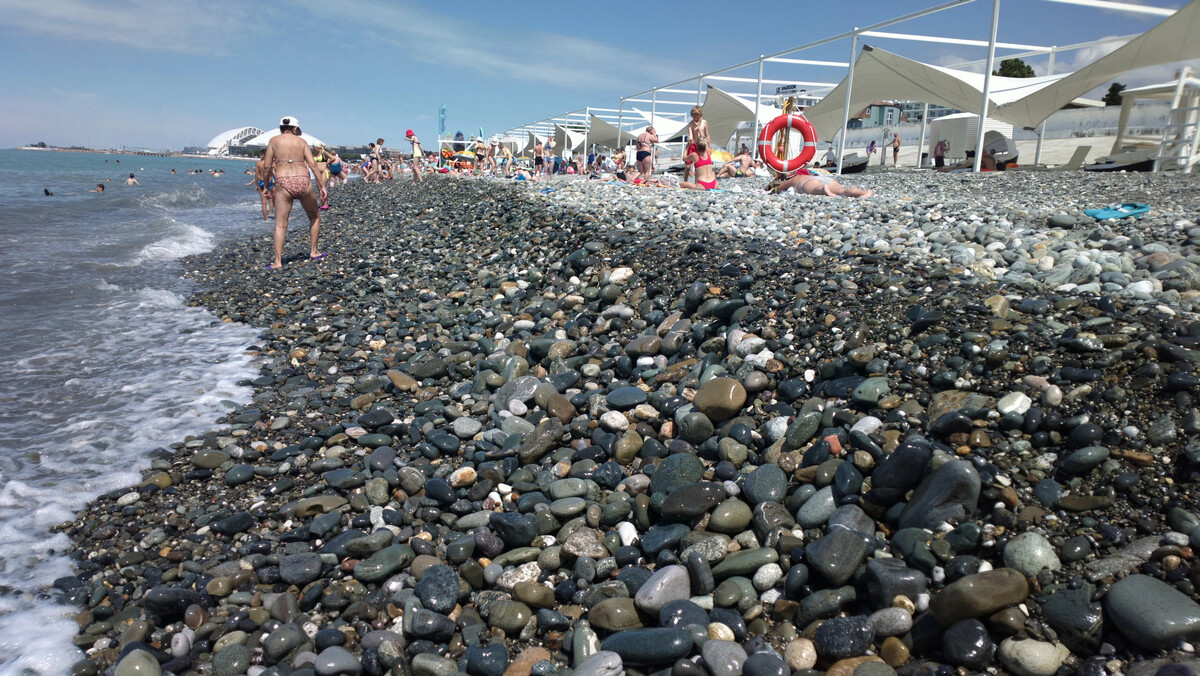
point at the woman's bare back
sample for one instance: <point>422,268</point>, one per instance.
<point>290,155</point>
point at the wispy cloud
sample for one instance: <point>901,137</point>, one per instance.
<point>532,56</point>
<point>178,26</point>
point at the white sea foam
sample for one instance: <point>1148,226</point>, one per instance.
<point>191,196</point>
<point>182,240</point>
<point>36,640</point>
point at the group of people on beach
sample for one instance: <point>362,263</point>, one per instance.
<point>282,173</point>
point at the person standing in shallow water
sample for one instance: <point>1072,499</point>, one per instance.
<point>292,159</point>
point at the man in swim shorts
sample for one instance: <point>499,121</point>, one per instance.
<point>292,160</point>
<point>538,159</point>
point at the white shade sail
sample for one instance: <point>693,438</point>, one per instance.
<point>726,112</point>
<point>665,127</point>
<point>602,132</point>
<point>566,139</point>
<point>882,75</point>
<point>1177,38</point>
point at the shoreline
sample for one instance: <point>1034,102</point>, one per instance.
<point>96,151</point>
<point>395,419</point>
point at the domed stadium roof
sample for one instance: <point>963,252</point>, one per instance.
<point>263,139</point>
<point>234,137</point>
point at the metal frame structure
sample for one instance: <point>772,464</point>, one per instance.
<point>725,75</point>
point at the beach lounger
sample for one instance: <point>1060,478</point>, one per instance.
<point>1076,162</point>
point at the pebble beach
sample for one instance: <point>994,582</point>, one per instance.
<point>513,428</point>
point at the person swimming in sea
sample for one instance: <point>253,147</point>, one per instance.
<point>99,188</point>
<point>131,180</point>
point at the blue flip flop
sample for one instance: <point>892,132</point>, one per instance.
<point>1118,211</point>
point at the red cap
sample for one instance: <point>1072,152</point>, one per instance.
<point>408,133</point>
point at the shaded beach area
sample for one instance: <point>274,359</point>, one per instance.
<point>524,428</point>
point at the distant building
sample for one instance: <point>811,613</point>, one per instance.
<point>226,141</point>
<point>912,110</point>
<point>878,114</point>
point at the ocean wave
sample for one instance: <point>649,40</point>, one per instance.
<point>191,196</point>
<point>183,240</point>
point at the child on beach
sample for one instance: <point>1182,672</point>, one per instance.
<point>417,155</point>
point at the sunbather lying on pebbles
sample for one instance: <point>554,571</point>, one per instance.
<point>819,184</point>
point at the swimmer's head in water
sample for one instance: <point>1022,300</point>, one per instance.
<point>131,174</point>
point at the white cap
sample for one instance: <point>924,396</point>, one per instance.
<point>289,121</point>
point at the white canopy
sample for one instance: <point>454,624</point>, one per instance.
<point>664,127</point>
<point>882,75</point>
<point>263,139</point>
<point>1022,102</point>
<point>603,132</point>
<point>534,139</point>
<point>566,139</point>
<point>515,144</point>
<point>1177,38</point>
<point>725,112</point>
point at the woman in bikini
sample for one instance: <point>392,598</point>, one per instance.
<point>292,159</point>
<point>645,151</point>
<point>701,159</point>
<point>321,160</point>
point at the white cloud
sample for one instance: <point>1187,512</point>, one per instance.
<point>180,26</point>
<point>531,55</point>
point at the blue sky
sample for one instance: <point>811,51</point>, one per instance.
<point>161,74</point>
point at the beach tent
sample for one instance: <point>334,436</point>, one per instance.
<point>1177,38</point>
<point>726,112</point>
<point>961,131</point>
<point>882,75</point>
<point>263,139</point>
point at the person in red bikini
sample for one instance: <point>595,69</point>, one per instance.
<point>292,159</point>
<point>701,160</point>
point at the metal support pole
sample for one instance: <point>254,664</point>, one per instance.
<point>924,121</point>
<point>757,107</point>
<point>620,121</point>
<point>987,85</point>
<point>653,115</point>
<point>1037,154</point>
<point>846,104</point>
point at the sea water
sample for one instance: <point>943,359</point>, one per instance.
<point>101,360</point>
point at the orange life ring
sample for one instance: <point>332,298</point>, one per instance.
<point>767,138</point>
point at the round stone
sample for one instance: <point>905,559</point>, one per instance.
<point>800,654</point>
<point>1029,553</point>
<point>720,398</point>
<point>731,516</point>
